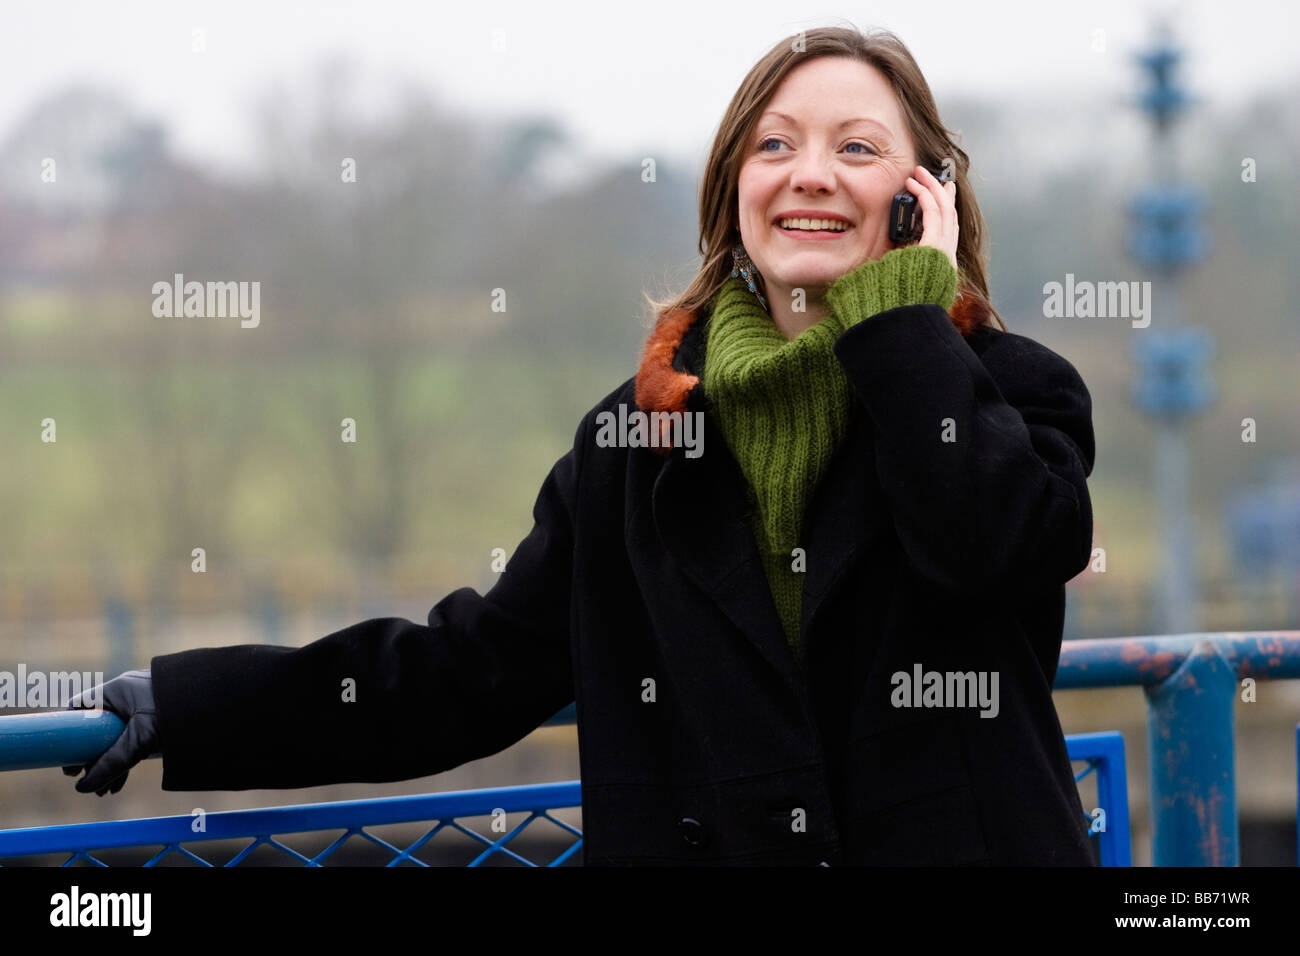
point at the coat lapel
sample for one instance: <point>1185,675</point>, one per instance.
<point>699,503</point>
<point>699,513</point>
<point>844,519</point>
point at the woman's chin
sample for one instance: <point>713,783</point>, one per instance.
<point>818,276</point>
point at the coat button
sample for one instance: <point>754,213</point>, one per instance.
<point>692,831</point>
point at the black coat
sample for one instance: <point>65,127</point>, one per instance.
<point>948,555</point>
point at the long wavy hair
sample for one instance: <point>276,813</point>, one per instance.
<point>719,191</point>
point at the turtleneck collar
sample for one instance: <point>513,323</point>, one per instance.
<point>669,376</point>
<point>782,404</point>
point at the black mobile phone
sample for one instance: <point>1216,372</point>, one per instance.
<point>904,216</point>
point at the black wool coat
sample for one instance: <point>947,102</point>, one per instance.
<point>940,539</point>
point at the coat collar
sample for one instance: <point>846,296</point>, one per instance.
<point>668,378</point>
<point>672,363</point>
<point>700,504</point>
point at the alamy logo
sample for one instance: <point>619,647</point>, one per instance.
<point>28,689</point>
<point>946,689</point>
<point>1099,300</point>
<point>102,909</point>
<point>653,430</point>
<point>212,300</point>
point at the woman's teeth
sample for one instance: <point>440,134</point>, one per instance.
<point>812,225</point>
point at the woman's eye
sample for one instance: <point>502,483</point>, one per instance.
<point>763,147</point>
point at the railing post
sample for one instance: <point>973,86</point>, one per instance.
<point>1190,738</point>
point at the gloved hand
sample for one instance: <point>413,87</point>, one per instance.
<point>130,697</point>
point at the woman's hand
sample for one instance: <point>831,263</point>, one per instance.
<point>938,202</point>
<point>130,697</point>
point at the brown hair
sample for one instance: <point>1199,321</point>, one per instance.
<point>719,193</point>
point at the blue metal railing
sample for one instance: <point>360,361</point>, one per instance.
<point>57,739</point>
<point>351,816</point>
<point>1190,682</point>
<point>1104,754</point>
<point>65,737</point>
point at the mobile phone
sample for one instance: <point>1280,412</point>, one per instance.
<point>904,216</point>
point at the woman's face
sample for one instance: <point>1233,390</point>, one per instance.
<point>832,141</point>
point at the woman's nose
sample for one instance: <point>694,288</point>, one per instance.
<point>812,172</point>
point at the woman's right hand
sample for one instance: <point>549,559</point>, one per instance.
<point>938,202</point>
<point>130,697</point>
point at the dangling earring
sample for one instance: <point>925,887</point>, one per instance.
<point>744,268</point>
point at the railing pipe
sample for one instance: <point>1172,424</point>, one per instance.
<point>58,738</point>
<point>1124,661</point>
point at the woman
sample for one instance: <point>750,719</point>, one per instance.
<point>827,633</point>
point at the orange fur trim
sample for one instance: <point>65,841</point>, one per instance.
<point>659,386</point>
<point>969,312</point>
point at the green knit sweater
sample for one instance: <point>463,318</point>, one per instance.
<point>784,404</point>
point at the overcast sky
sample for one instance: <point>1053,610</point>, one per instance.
<point>625,79</point>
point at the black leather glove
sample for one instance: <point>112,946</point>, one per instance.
<point>130,697</point>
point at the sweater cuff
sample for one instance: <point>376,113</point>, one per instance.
<point>912,275</point>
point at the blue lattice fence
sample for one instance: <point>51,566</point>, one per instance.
<point>440,812</point>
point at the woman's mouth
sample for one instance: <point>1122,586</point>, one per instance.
<point>816,229</point>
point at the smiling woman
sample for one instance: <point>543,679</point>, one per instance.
<point>837,167</point>
<point>847,121</point>
<point>893,486</point>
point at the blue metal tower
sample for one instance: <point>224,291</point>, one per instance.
<point>1173,383</point>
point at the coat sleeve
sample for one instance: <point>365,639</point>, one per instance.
<point>983,459</point>
<point>481,674</point>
